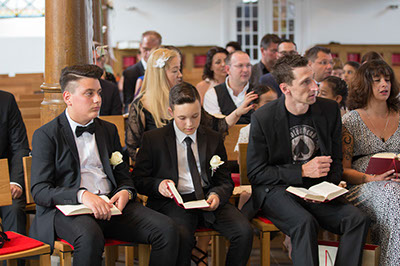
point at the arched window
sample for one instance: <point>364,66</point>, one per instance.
<point>22,8</point>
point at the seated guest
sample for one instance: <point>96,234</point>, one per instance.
<point>321,62</point>
<point>372,55</point>
<point>349,70</point>
<point>231,94</point>
<point>265,95</point>
<point>334,88</point>
<point>13,146</point>
<point>295,141</point>
<point>214,71</point>
<point>150,109</point>
<point>233,46</point>
<point>337,69</point>
<point>71,164</point>
<point>373,127</point>
<point>269,48</point>
<point>285,47</point>
<point>180,153</point>
<point>150,40</point>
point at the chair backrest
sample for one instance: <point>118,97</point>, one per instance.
<point>119,122</point>
<point>31,124</point>
<point>5,191</point>
<point>243,164</point>
<point>27,163</point>
<point>231,140</point>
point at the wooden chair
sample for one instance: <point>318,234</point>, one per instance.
<point>43,250</point>
<point>263,225</point>
<point>231,140</point>
<point>119,122</point>
<point>31,124</point>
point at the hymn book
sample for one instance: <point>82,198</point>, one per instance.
<point>383,162</point>
<point>321,192</point>
<point>77,209</point>
<point>195,204</point>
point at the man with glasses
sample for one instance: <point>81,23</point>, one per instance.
<point>285,47</point>
<point>321,62</point>
<point>227,96</point>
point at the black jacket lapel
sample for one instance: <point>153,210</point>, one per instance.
<point>170,139</point>
<point>281,128</point>
<point>202,149</point>
<point>69,138</point>
<point>321,126</point>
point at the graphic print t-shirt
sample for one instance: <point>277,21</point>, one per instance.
<point>303,138</point>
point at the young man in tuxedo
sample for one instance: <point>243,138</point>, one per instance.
<point>180,153</point>
<point>296,141</point>
<point>74,162</point>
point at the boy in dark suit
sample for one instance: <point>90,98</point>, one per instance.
<point>76,158</point>
<point>296,141</point>
<point>180,153</point>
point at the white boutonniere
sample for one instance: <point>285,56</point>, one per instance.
<point>160,63</point>
<point>215,162</point>
<point>116,159</point>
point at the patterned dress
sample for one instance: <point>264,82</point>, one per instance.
<point>380,200</point>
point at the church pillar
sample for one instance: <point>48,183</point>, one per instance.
<point>66,44</point>
<point>97,21</point>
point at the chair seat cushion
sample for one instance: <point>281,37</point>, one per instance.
<point>109,242</point>
<point>263,219</point>
<point>18,243</point>
<point>236,179</point>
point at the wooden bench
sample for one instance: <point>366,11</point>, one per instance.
<point>231,140</point>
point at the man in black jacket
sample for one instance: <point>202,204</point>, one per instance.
<point>13,146</point>
<point>296,141</point>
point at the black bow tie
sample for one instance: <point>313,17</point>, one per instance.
<point>79,130</point>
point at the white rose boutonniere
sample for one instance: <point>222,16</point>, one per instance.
<point>215,162</point>
<point>116,159</point>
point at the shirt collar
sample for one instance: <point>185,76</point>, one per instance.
<point>73,124</point>
<point>180,136</point>
<point>144,63</point>
<point>246,87</point>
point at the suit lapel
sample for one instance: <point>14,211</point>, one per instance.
<point>281,127</point>
<point>170,140</point>
<point>321,126</point>
<point>103,151</point>
<point>69,137</point>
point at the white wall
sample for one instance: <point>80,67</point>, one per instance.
<point>180,22</point>
<point>22,45</point>
<point>349,22</point>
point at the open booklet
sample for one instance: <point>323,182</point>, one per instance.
<point>324,191</point>
<point>77,209</point>
<point>195,204</point>
<point>383,162</point>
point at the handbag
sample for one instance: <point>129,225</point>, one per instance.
<point>328,249</point>
<point>3,236</point>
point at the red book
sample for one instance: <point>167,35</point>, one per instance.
<point>383,162</point>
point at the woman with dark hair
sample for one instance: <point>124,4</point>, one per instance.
<point>371,55</point>
<point>334,88</point>
<point>373,127</point>
<point>349,70</point>
<point>233,46</point>
<point>214,71</point>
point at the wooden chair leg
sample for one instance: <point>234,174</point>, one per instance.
<point>45,260</point>
<point>111,254</point>
<point>144,254</point>
<point>12,263</point>
<point>65,258</point>
<point>129,256</point>
<point>265,248</point>
<point>218,251</point>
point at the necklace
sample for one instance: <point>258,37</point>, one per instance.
<point>383,133</point>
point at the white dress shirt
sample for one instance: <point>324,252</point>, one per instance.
<point>144,63</point>
<point>185,184</point>
<point>211,104</point>
<point>93,177</point>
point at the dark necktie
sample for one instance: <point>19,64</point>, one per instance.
<point>198,189</point>
<point>79,130</point>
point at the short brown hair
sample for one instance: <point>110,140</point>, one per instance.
<point>268,39</point>
<point>77,72</point>
<point>361,88</point>
<point>183,93</point>
<point>312,53</point>
<point>282,71</point>
<point>156,35</point>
